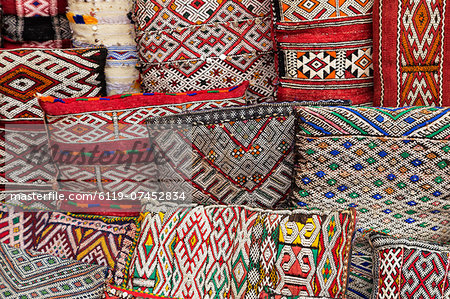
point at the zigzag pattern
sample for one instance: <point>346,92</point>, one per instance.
<point>177,252</point>
<point>249,151</point>
<point>410,269</point>
<point>92,239</point>
<point>48,275</point>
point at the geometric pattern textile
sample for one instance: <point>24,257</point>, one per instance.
<point>410,47</point>
<point>205,45</point>
<point>27,274</point>
<point>114,292</point>
<point>240,155</point>
<point>410,270</point>
<point>58,73</point>
<point>389,164</point>
<point>108,23</point>
<point>20,167</point>
<point>34,8</point>
<point>116,124</point>
<point>248,149</point>
<point>90,239</point>
<point>236,252</point>
<point>25,72</point>
<point>17,228</point>
<point>20,29</point>
<point>360,277</point>
<point>324,50</point>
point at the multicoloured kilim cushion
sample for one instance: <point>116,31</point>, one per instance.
<point>392,165</point>
<point>240,155</point>
<point>20,29</point>
<point>91,239</point>
<point>185,45</point>
<point>409,269</point>
<point>114,292</point>
<point>410,50</point>
<point>360,276</point>
<point>27,274</point>
<point>107,23</point>
<point>58,73</point>
<point>113,130</point>
<point>324,50</point>
<point>234,252</point>
<point>25,72</point>
<point>34,8</point>
<point>18,228</point>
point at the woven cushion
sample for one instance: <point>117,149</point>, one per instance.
<point>114,292</point>
<point>205,45</point>
<point>107,23</point>
<point>235,251</point>
<point>410,269</point>
<point>27,274</point>
<point>34,8</point>
<point>324,50</point>
<point>18,228</point>
<point>117,125</point>
<point>90,239</point>
<point>20,29</point>
<point>390,164</point>
<point>60,73</point>
<point>240,155</point>
<point>411,46</point>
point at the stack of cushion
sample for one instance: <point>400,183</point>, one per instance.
<point>206,44</point>
<point>108,24</point>
<point>40,23</point>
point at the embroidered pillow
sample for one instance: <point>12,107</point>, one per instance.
<point>25,72</point>
<point>91,239</point>
<point>205,45</point>
<point>21,29</point>
<point>114,292</point>
<point>27,274</point>
<point>410,46</point>
<point>35,8</point>
<point>390,164</point>
<point>234,155</point>
<point>324,50</point>
<point>410,269</point>
<point>235,251</point>
<point>18,228</point>
<point>112,133</point>
<point>107,23</point>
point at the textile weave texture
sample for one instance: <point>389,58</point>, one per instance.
<point>91,239</point>
<point>114,292</point>
<point>25,72</point>
<point>27,274</point>
<point>409,269</point>
<point>108,23</point>
<point>324,50</point>
<point>58,73</point>
<point>34,8</point>
<point>234,251</point>
<point>18,228</point>
<point>101,126</point>
<point>390,164</point>
<point>205,45</point>
<point>40,29</point>
<point>233,156</point>
<point>410,46</point>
